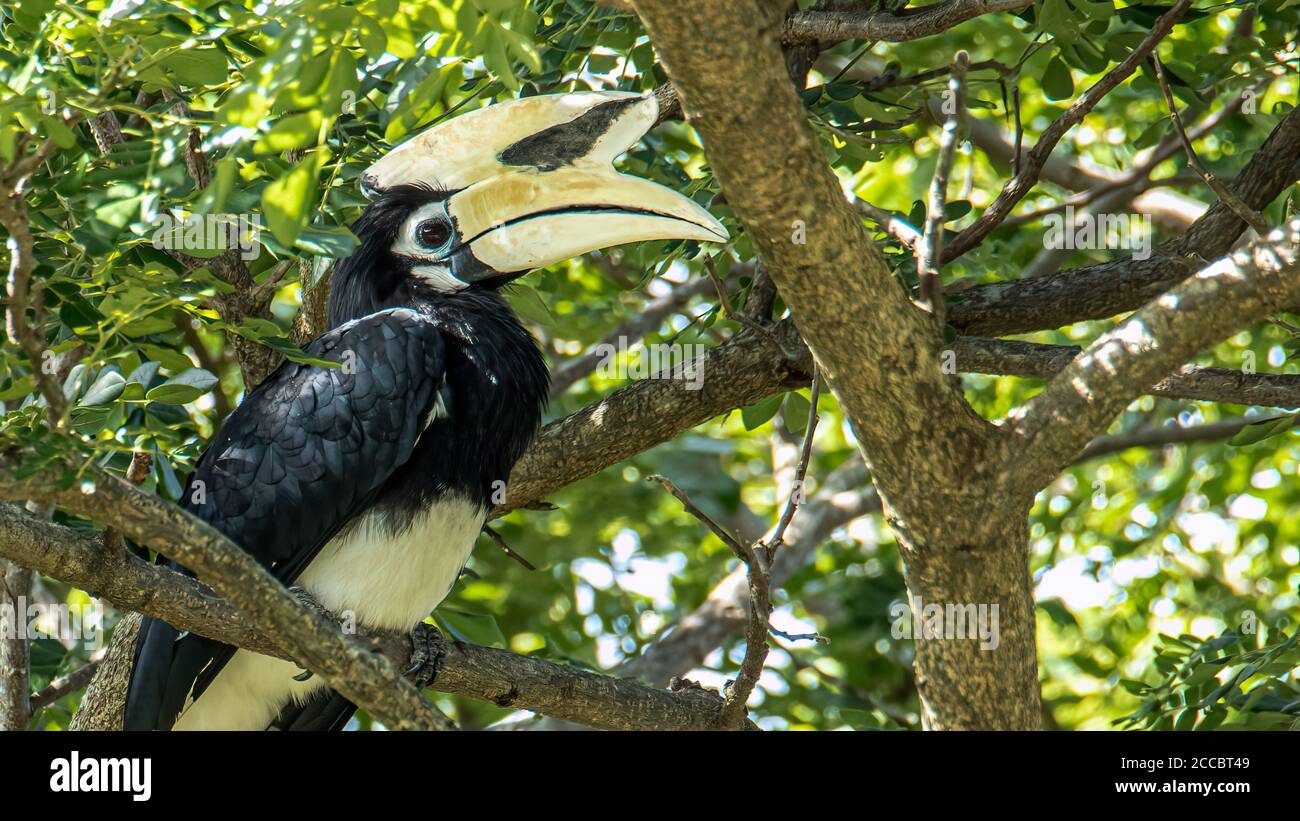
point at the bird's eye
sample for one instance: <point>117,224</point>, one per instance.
<point>433,234</point>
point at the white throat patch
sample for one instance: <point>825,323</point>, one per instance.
<point>439,277</point>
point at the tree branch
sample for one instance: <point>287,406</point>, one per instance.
<point>370,681</point>
<point>1036,361</point>
<point>24,294</point>
<point>80,558</point>
<point>64,685</point>
<point>930,250</point>
<point>879,353</point>
<point>15,670</point>
<point>1157,436</point>
<point>1082,400</point>
<point>813,26</point>
<point>1241,209</point>
<point>1027,176</point>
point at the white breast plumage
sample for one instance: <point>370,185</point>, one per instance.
<point>385,581</point>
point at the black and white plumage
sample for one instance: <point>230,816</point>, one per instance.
<point>368,484</point>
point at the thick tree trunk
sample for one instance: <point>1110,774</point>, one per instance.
<point>978,670</point>
<point>932,458</point>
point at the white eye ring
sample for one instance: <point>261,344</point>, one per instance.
<point>428,234</point>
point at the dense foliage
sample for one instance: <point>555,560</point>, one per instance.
<point>1140,556</point>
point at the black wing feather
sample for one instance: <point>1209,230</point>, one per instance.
<point>298,460</point>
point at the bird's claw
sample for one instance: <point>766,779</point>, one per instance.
<point>427,651</point>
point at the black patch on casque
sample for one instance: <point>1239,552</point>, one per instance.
<point>560,145</point>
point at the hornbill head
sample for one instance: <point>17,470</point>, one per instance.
<point>482,199</point>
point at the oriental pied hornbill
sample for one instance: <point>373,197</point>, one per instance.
<point>368,484</point>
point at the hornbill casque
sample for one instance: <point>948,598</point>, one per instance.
<point>368,484</point>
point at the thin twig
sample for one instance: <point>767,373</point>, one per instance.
<point>1247,214</point>
<point>724,300</point>
<point>1143,165</point>
<point>70,683</point>
<point>1159,436</point>
<point>737,546</point>
<point>801,471</point>
<point>893,80</point>
<point>507,549</point>
<point>930,251</point>
<point>895,227</point>
<point>23,292</point>
<point>1020,131</point>
<point>756,646</point>
<point>817,637</point>
<point>1026,178</point>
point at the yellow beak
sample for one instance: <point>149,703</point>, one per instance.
<point>531,181</point>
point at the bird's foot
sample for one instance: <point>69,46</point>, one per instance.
<point>428,648</point>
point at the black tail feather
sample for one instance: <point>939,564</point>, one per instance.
<point>166,665</point>
<point>326,710</point>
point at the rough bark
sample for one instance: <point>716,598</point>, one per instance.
<point>15,686</point>
<point>1104,290</point>
<point>1082,399</point>
<point>929,453</point>
<point>102,706</point>
<point>368,680</point>
<point>497,676</point>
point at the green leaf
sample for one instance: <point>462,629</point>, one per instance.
<point>257,329</point>
<point>1058,613</point>
<point>185,386</point>
<point>296,131</point>
<point>286,203</point>
<point>285,347</point>
<point>495,57</point>
<point>529,304</point>
<point>18,388</point>
<point>89,421</point>
<point>168,481</point>
<point>197,66</point>
<point>956,210</point>
<point>1212,720</point>
<point>796,412</point>
<point>169,358</point>
<point>62,135</point>
<point>842,91</point>
<point>29,13</point>
<point>1057,83</point>
<point>107,387</point>
<point>1264,429</point>
<point>337,242</point>
<point>760,412</point>
<point>475,628</point>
